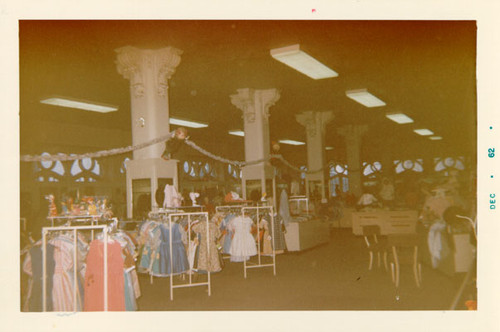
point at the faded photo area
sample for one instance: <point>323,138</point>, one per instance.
<point>247,165</point>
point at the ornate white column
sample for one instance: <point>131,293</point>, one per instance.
<point>255,106</point>
<point>315,123</point>
<point>353,139</point>
<point>148,72</point>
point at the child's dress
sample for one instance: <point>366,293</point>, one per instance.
<point>243,243</point>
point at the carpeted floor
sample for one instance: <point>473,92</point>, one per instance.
<point>332,276</point>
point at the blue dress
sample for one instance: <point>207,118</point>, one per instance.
<point>229,233</point>
<point>179,257</point>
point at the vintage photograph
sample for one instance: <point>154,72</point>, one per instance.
<point>247,165</point>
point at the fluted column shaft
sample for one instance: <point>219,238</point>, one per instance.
<point>315,124</point>
<point>148,72</point>
<point>353,138</point>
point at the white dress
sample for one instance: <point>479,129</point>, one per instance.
<point>243,243</point>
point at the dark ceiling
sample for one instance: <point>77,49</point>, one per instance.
<point>425,69</point>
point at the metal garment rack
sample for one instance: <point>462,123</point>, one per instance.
<point>186,208</point>
<point>190,216</point>
<point>299,199</point>
<point>75,229</point>
<point>93,218</point>
<point>229,208</point>
<point>259,260</point>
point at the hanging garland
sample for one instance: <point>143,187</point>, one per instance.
<point>116,151</point>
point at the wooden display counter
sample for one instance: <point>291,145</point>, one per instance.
<point>307,234</point>
<point>390,222</point>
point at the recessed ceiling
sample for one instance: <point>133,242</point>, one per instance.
<point>424,69</point>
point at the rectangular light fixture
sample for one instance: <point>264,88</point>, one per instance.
<point>399,118</point>
<point>293,57</point>
<point>435,138</point>
<point>79,104</point>
<point>328,148</point>
<point>424,132</point>
<point>291,142</point>
<point>240,133</point>
<point>365,98</point>
<point>187,123</point>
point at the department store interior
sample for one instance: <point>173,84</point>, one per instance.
<point>235,160</point>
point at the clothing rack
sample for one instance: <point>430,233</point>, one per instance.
<point>93,218</point>
<point>75,229</point>
<point>189,215</point>
<point>270,213</point>
<point>298,200</point>
<point>229,208</point>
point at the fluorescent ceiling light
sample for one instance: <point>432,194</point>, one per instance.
<point>399,118</point>
<point>292,56</point>
<point>240,133</point>
<point>365,98</point>
<point>79,104</point>
<point>435,138</point>
<point>329,148</point>
<point>423,132</point>
<point>186,123</point>
<point>291,142</point>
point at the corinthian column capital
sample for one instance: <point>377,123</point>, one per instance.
<point>353,132</point>
<point>314,121</point>
<point>245,101</point>
<point>268,98</point>
<point>251,101</point>
<point>133,64</point>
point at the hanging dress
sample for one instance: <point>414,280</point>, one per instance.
<point>266,247</point>
<point>179,257</point>
<point>228,233</point>
<point>33,267</point>
<point>94,277</point>
<point>63,278</point>
<point>243,243</point>
<point>208,259</point>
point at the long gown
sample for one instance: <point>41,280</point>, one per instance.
<point>243,243</point>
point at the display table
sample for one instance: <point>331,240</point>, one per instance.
<point>390,222</point>
<point>306,234</point>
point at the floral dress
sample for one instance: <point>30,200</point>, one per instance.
<point>208,259</point>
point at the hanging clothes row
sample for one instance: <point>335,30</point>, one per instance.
<point>189,246</point>
<point>263,217</point>
<point>74,278</point>
<point>204,233</point>
<point>60,273</point>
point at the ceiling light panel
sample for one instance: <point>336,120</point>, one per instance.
<point>399,118</point>
<point>293,57</point>
<point>79,104</point>
<point>240,133</point>
<point>365,98</point>
<point>424,132</point>
<point>187,123</point>
<point>435,138</point>
<point>291,142</point>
